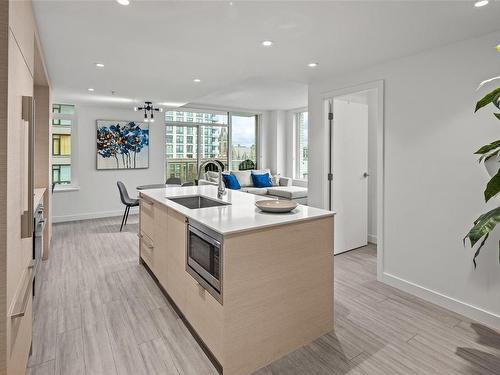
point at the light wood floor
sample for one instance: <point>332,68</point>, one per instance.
<point>91,291</point>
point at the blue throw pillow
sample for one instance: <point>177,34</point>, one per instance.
<point>231,182</point>
<point>262,180</point>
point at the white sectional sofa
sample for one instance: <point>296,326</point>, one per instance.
<point>282,186</point>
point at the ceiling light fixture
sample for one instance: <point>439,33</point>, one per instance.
<point>99,65</point>
<point>90,89</point>
<point>123,2</point>
<point>312,65</point>
<point>481,3</point>
<point>149,110</point>
<point>267,43</point>
<point>197,80</point>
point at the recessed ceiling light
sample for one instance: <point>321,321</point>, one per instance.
<point>123,2</point>
<point>99,65</point>
<point>90,89</point>
<point>481,3</point>
<point>267,43</point>
<point>173,104</point>
<point>312,65</point>
<point>197,80</point>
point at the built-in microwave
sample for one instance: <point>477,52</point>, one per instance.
<point>204,257</point>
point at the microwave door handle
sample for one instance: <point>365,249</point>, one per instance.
<point>205,237</point>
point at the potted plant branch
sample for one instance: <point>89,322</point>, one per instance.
<point>490,156</point>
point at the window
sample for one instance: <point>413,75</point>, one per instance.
<point>302,153</point>
<point>61,174</point>
<point>207,137</point>
<point>63,126</point>
<point>244,140</point>
<point>183,164</point>
<point>61,144</point>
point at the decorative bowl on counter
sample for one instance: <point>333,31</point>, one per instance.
<point>276,205</point>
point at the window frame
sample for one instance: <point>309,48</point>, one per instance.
<point>296,141</point>
<point>74,183</point>
<point>203,114</point>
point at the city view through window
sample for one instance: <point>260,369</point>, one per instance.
<point>194,137</point>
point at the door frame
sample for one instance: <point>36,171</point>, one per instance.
<point>379,86</point>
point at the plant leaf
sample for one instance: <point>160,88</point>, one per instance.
<point>497,115</point>
<point>487,81</point>
<point>496,100</point>
<point>487,99</point>
<point>489,156</point>
<point>487,148</point>
<point>483,225</point>
<point>493,187</point>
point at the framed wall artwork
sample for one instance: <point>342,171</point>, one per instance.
<point>122,144</point>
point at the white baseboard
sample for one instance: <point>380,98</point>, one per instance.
<point>92,215</point>
<point>372,238</point>
<point>472,312</point>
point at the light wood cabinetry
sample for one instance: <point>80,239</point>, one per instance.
<point>18,45</point>
<point>277,287</point>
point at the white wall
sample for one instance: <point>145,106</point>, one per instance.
<point>432,182</point>
<point>98,195</point>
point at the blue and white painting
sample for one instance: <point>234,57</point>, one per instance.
<point>122,144</point>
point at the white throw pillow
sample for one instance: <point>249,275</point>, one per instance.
<point>275,180</point>
<point>243,177</point>
<point>212,176</point>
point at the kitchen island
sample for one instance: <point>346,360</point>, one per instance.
<point>252,286</point>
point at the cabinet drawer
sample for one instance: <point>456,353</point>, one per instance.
<point>146,248</point>
<point>20,326</point>
<point>204,313</point>
<point>147,216</point>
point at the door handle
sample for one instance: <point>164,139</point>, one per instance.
<point>366,174</point>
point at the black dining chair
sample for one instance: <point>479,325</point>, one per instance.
<point>127,201</point>
<point>173,181</point>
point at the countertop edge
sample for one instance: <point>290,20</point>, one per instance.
<point>237,231</point>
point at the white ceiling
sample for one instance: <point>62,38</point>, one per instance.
<point>154,49</point>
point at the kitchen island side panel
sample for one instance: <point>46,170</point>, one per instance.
<point>278,292</point>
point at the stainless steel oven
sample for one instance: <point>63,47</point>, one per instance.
<point>204,257</point>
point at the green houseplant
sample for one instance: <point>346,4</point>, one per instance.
<point>490,154</point>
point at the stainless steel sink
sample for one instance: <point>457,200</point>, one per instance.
<point>198,201</point>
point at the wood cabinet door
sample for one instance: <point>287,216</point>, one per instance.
<point>19,250</point>
<point>176,265</point>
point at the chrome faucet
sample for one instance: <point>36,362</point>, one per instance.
<point>221,188</point>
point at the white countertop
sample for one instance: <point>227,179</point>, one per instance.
<point>240,216</point>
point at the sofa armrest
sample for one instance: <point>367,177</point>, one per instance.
<point>206,182</point>
<point>285,181</point>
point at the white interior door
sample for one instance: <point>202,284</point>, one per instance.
<point>350,180</point>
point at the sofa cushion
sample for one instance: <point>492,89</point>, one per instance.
<point>231,182</point>
<point>255,190</point>
<point>261,171</point>
<point>244,177</point>
<point>288,192</point>
<point>261,180</point>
